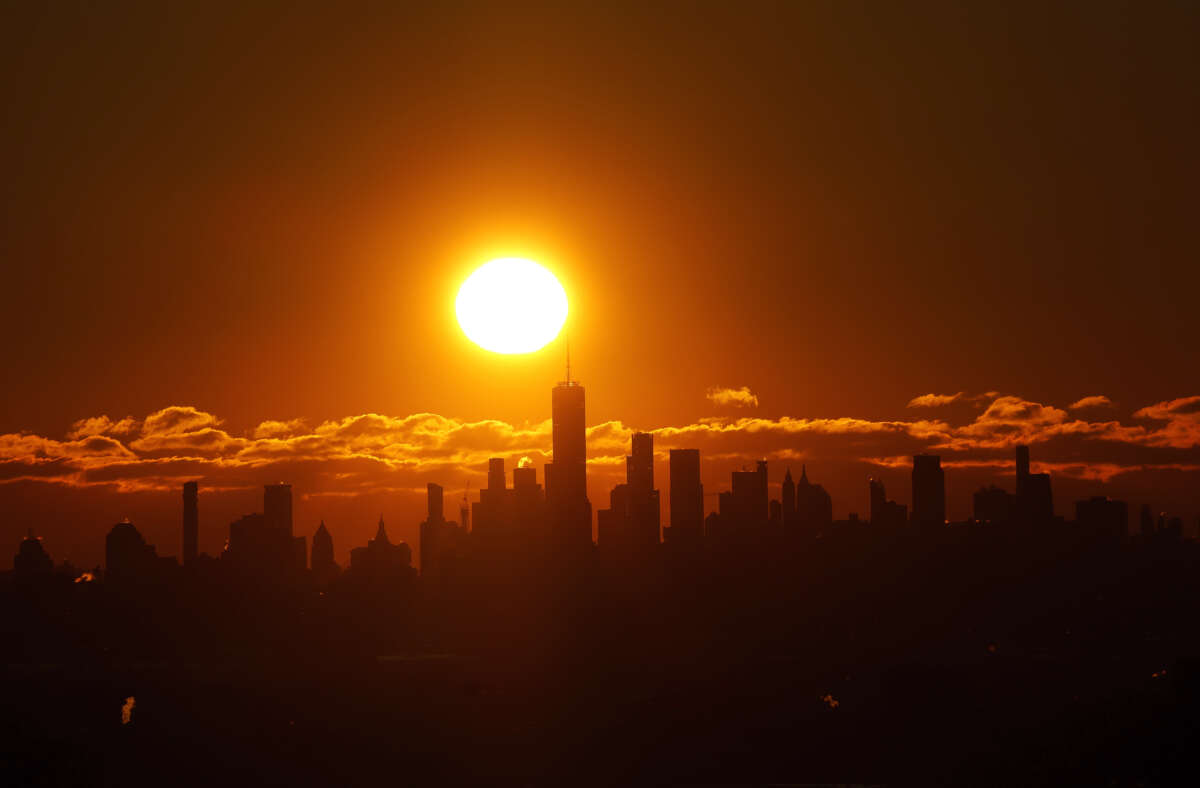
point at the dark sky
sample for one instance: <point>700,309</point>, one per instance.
<point>266,214</point>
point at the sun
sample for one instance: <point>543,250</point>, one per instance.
<point>511,305</point>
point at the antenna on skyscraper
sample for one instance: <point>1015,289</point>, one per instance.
<point>568,342</point>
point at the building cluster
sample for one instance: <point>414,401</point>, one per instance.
<point>558,517</point>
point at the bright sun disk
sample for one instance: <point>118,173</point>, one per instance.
<point>511,305</point>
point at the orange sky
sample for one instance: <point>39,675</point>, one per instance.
<point>265,217</point>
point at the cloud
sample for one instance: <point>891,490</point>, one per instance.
<point>1182,423</point>
<point>101,425</point>
<point>371,451</point>
<point>176,420</point>
<point>1097,401</point>
<point>738,398</point>
<point>279,429</point>
<point>934,400</point>
<point>1186,407</point>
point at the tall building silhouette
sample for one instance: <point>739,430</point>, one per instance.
<point>885,513</point>
<point>749,489</point>
<point>687,497</point>
<point>566,479</point>
<point>814,506</point>
<point>435,498</point>
<point>631,525</point>
<point>644,510</point>
<point>992,505</point>
<point>1146,521</point>
<point>928,490</point>
<point>191,522</point>
<point>639,465</point>
<point>527,502</point>
<point>439,538</point>
<point>787,502</point>
<point>263,542</point>
<point>496,483</point>
<point>1035,503</point>
<point>381,562</point>
<point>492,513</point>
<point>126,554</point>
<point>32,560</point>
<point>277,507</point>
<point>324,568</point>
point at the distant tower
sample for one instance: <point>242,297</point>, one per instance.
<point>687,496</point>
<point>878,501</point>
<point>639,466</point>
<point>277,507</point>
<point>434,496</point>
<point>1146,521</point>
<point>323,565</point>
<point>31,559</point>
<point>1022,466</point>
<point>567,482</point>
<point>1035,502</point>
<point>814,507</point>
<point>496,474</point>
<point>928,490</point>
<point>191,522</point>
<point>749,490</point>
<point>435,532</point>
<point>126,554</point>
<point>788,503</point>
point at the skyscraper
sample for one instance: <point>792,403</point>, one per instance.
<point>569,441</point>
<point>324,568</point>
<point>277,507</point>
<point>814,506</point>
<point>878,500</point>
<point>439,539</point>
<point>434,499</point>
<point>567,480</point>
<point>749,490</point>
<point>687,497</point>
<point>492,513</point>
<point>993,505</point>
<point>191,522</point>
<point>631,526</point>
<point>885,513</point>
<point>644,510</point>
<point>1022,466</point>
<point>31,559</point>
<point>1035,502</point>
<point>788,501</point>
<point>126,554</point>
<point>496,481</point>
<point>928,490</point>
<point>639,466</point>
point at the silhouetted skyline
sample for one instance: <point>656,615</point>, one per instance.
<point>887,466</point>
<point>524,517</point>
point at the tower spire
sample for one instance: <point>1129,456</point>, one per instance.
<point>568,362</point>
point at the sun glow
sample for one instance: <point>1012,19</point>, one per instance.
<point>511,305</point>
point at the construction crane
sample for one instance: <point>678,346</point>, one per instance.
<point>464,509</point>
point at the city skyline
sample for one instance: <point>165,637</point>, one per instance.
<point>635,506</point>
